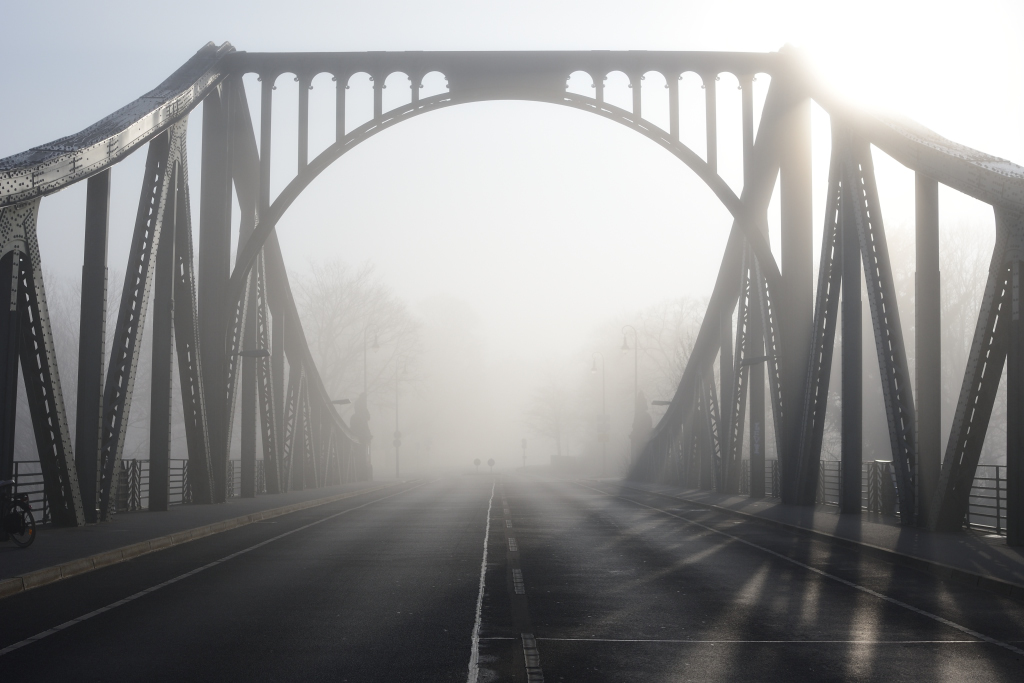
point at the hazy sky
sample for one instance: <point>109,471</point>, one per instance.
<point>544,221</point>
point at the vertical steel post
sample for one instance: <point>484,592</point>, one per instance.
<point>304,87</point>
<point>796,305</point>
<point>673,107</point>
<point>755,334</point>
<point>92,341</point>
<point>163,361</point>
<point>247,435</point>
<point>711,120</point>
<point>851,453</point>
<point>1015,413</point>
<point>277,374</point>
<point>928,339</point>
<point>10,333</point>
<point>214,274</point>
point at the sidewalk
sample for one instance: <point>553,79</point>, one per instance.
<point>971,556</point>
<point>57,546</point>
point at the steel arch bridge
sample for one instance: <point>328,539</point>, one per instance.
<point>765,321</point>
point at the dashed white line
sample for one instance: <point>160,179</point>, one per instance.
<point>513,547</point>
<point>474,656</point>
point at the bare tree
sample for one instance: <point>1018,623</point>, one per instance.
<point>549,413</point>
<point>341,307</point>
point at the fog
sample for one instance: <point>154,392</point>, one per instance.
<point>512,241</point>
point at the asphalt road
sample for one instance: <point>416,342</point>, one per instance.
<point>583,582</point>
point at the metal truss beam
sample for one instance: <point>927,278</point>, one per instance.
<point>885,318</point>
<point>164,153</point>
<point>823,334</point>
<point>977,393</point>
<point>28,336</point>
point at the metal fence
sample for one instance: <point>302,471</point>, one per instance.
<point>133,484</point>
<point>986,512</point>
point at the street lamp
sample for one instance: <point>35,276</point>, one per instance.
<point>398,435</point>
<point>375,347</point>
<point>636,349</point>
<point>602,434</point>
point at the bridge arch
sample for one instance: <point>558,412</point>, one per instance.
<point>751,219</point>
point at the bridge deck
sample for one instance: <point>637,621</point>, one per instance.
<point>975,555</point>
<point>582,581</point>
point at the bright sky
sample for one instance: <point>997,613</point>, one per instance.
<point>545,220</point>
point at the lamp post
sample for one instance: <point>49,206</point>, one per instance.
<point>602,434</point>
<point>398,435</point>
<point>375,347</point>
<point>636,375</point>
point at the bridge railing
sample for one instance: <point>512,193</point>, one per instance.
<point>986,512</point>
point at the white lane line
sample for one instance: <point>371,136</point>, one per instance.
<point>767,642</point>
<point>517,581</point>
<point>851,584</point>
<point>534,674</point>
<point>513,547</point>
<point>474,656</point>
<point>68,624</point>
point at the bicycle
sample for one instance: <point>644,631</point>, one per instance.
<point>16,520</point>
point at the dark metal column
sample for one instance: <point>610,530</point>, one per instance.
<point>755,333</point>
<point>163,340</point>
<point>10,267</point>
<point>1014,413</point>
<point>92,341</point>
<point>277,380</point>
<point>796,303</point>
<point>928,342</point>
<point>214,272</point>
<point>247,434</point>
<point>304,87</point>
<point>711,120</point>
<point>851,456</point>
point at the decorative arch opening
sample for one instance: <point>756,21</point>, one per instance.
<point>358,101</point>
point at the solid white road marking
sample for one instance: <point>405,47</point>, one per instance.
<point>851,584</point>
<point>767,642</point>
<point>67,624</point>
<point>474,656</point>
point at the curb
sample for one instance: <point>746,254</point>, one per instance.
<point>938,569</point>
<point>48,575</point>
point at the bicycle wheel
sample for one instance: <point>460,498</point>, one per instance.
<point>20,525</point>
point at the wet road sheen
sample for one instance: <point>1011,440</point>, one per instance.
<point>582,582</point>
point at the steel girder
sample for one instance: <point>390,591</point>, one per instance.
<point>977,393</point>
<point>885,318</point>
<point>164,153</point>
<point>31,339</point>
<point>186,338</point>
<point>733,451</point>
<point>265,385</point>
<point>291,426</point>
<point>819,364</point>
